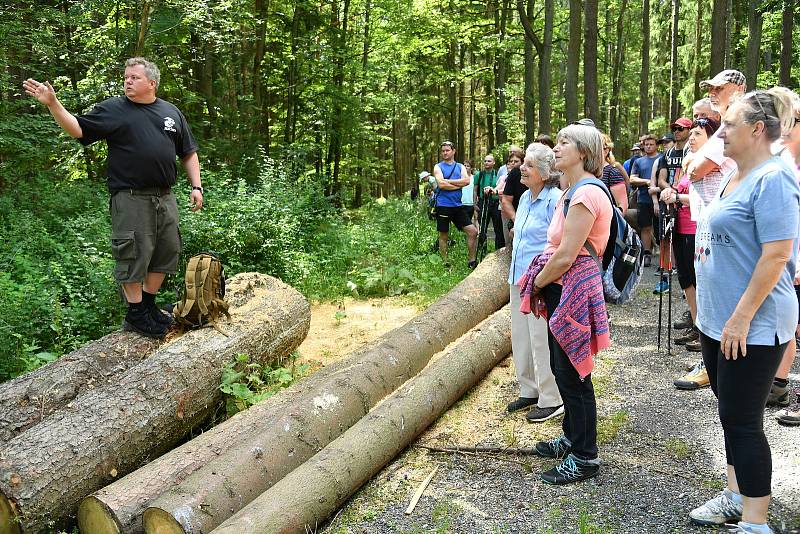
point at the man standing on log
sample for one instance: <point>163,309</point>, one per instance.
<point>450,178</point>
<point>144,136</point>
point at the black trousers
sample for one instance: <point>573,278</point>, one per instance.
<point>742,387</point>
<point>580,409</point>
<point>497,222</point>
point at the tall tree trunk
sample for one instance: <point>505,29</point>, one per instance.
<point>591,106</point>
<point>528,90</point>
<point>787,23</point>
<point>461,140</point>
<point>261,9</point>
<point>617,73</point>
<point>545,74</point>
<point>644,78</point>
<point>501,73</point>
<point>339,23</point>
<point>674,67</point>
<point>698,51</point>
<point>719,35</point>
<point>490,116</point>
<point>754,24</point>
<point>289,132</point>
<point>573,60</point>
<point>148,6</point>
<point>729,31</point>
<point>358,199</point>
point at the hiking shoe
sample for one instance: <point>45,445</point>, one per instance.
<point>139,320</point>
<point>472,264</point>
<point>691,334</point>
<point>742,528</point>
<point>684,322</point>
<point>788,417</point>
<point>661,287</point>
<point>778,395</point>
<point>538,415</point>
<point>572,469</point>
<point>521,403</point>
<point>648,259</point>
<point>717,511</point>
<point>161,317</point>
<point>694,346</point>
<point>695,379</point>
<point>555,448</point>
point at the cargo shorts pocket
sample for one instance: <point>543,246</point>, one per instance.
<point>123,250</point>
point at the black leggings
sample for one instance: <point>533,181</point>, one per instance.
<point>683,247</point>
<point>580,408</point>
<point>742,386</point>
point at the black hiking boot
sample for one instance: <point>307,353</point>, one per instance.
<point>139,320</point>
<point>158,315</point>
<point>572,469</point>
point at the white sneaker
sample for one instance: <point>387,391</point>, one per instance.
<point>717,511</point>
<point>741,528</point>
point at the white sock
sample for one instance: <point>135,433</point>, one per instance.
<point>735,497</point>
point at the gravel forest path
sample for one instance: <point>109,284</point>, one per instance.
<point>661,448</point>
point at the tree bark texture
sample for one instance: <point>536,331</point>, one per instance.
<point>306,496</point>
<point>591,106</point>
<point>28,399</point>
<point>573,61</point>
<point>787,23</point>
<point>616,75</point>
<point>674,69</point>
<point>719,34</point>
<point>644,78</point>
<point>753,57</point>
<point>112,430</point>
<point>287,429</point>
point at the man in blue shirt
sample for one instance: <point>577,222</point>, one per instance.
<point>641,176</point>
<point>450,178</point>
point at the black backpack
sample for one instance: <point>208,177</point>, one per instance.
<point>621,265</point>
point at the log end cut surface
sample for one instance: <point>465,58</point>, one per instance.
<point>8,519</point>
<point>158,521</point>
<point>94,516</point>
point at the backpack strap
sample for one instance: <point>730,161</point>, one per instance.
<point>571,191</point>
<point>191,287</point>
<point>204,266</point>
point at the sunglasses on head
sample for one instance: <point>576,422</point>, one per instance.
<point>447,143</point>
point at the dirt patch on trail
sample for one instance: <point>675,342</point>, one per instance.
<point>342,327</point>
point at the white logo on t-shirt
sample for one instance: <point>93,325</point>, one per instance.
<point>169,124</point>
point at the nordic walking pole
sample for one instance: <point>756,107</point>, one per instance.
<point>670,218</point>
<point>660,284</point>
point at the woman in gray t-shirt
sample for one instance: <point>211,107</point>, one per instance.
<point>747,309</point>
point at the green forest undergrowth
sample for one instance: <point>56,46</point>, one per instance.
<point>56,285</point>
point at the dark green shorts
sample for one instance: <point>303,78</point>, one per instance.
<point>144,233</point>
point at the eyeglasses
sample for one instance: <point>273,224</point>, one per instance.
<point>678,129</point>
<point>796,121</point>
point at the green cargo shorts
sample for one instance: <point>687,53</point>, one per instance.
<point>144,233</point>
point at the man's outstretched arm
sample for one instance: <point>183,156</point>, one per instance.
<point>44,93</point>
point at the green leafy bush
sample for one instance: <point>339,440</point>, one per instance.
<point>245,383</point>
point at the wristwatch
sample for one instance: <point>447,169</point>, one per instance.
<point>510,224</point>
<point>197,188</point>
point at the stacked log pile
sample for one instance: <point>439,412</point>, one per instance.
<point>282,432</point>
<point>113,429</point>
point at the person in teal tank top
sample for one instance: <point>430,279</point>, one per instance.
<point>450,178</point>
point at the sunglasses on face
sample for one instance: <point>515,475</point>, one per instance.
<point>678,129</point>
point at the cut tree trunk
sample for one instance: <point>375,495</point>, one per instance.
<point>30,398</point>
<point>290,427</point>
<point>114,429</point>
<point>303,499</point>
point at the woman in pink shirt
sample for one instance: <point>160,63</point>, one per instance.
<point>567,278</point>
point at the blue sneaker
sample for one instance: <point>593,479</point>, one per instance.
<point>661,287</point>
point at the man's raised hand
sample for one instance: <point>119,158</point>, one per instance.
<point>43,92</point>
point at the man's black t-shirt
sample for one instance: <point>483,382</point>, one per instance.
<point>514,187</point>
<point>671,160</point>
<point>143,141</point>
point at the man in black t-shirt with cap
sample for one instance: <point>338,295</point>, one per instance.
<point>145,135</point>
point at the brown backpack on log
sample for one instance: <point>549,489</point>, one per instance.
<point>203,299</point>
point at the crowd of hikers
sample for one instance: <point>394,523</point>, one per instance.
<point>716,202</point>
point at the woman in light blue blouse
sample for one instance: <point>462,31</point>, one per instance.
<point>537,386</point>
<point>745,258</point>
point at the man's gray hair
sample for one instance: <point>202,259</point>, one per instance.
<point>543,160</point>
<point>150,69</point>
<point>589,143</point>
